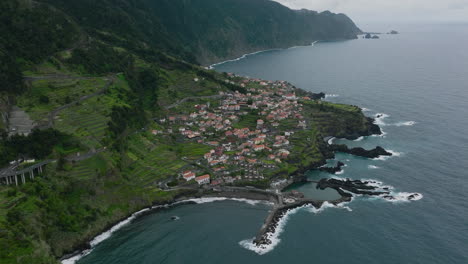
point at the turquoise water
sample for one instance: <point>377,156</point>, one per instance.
<point>421,76</point>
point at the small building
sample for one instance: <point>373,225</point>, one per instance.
<point>188,175</point>
<point>204,179</point>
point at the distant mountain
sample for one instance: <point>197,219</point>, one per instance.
<point>210,30</point>
<point>221,29</point>
<point>93,75</point>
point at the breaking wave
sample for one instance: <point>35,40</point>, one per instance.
<point>331,95</point>
<point>393,196</point>
<point>105,235</point>
<point>379,119</point>
<point>274,236</point>
<point>373,167</point>
<point>394,154</point>
<point>407,123</point>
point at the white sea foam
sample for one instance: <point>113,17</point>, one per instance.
<point>240,58</point>
<point>407,123</point>
<point>216,199</point>
<point>400,197</point>
<point>379,119</point>
<point>381,135</point>
<point>100,238</point>
<point>393,196</point>
<point>394,154</point>
<point>359,139</point>
<point>253,53</point>
<point>118,226</point>
<point>331,95</point>
<point>272,236</point>
<point>373,167</point>
<point>327,205</point>
<point>365,109</point>
<point>339,172</point>
<point>75,258</point>
<point>330,141</point>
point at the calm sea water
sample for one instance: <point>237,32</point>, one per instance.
<point>419,80</point>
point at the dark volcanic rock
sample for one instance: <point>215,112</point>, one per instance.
<point>393,32</point>
<point>317,96</point>
<point>368,36</point>
<point>333,170</point>
<point>373,153</point>
<point>375,37</point>
<point>374,129</point>
<point>356,186</point>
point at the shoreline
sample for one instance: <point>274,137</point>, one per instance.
<point>239,194</point>
<point>211,67</point>
<point>251,196</point>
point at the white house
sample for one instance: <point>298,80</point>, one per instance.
<point>204,179</point>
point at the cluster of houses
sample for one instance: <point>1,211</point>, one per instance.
<point>260,145</point>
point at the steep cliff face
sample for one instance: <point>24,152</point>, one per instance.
<point>215,30</point>
<point>207,31</point>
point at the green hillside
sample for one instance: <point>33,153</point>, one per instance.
<point>94,76</point>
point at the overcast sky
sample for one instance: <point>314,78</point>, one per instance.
<point>364,11</point>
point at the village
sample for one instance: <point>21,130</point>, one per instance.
<point>248,132</point>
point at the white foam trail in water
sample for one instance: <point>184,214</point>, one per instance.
<point>216,199</point>
<point>98,239</point>
<point>394,154</point>
<point>373,167</point>
<point>240,58</point>
<point>365,109</point>
<point>330,141</point>
<point>407,123</point>
<point>400,197</point>
<point>75,258</point>
<point>379,119</point>
<point>118,226</point>
<point>272,236</point>
<point>326,205</point>
<point>393,196</point>
<point>359,139</point>
<point>339,172</point>
<point>331,95</point>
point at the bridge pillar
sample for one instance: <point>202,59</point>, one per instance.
<point>16,179</point>
<point>7,180</point>
<point>22,178</point>
<point>40,169</point>
<point>32,174</point>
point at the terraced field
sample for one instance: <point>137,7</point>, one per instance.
<point>87,121</point>
<point>47,95</point>
<point>87,169</point>
<point>152,161</point>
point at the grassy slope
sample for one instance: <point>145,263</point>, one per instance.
<point>69,204</point>
<point>67,207</point>
<point>64,208</point>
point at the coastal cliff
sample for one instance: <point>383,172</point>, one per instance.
<point>238,27</point>
<point>106,84</point>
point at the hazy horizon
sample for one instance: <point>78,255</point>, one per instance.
<point>384,11</point>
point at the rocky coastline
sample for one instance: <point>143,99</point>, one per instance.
<point>280,209</point>
<point>187,197</point>
<point>361,152</point>
<point>334,169</point>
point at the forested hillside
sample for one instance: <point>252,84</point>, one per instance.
<point>93,76</point>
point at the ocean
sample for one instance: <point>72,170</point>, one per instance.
<point>417,82</point>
